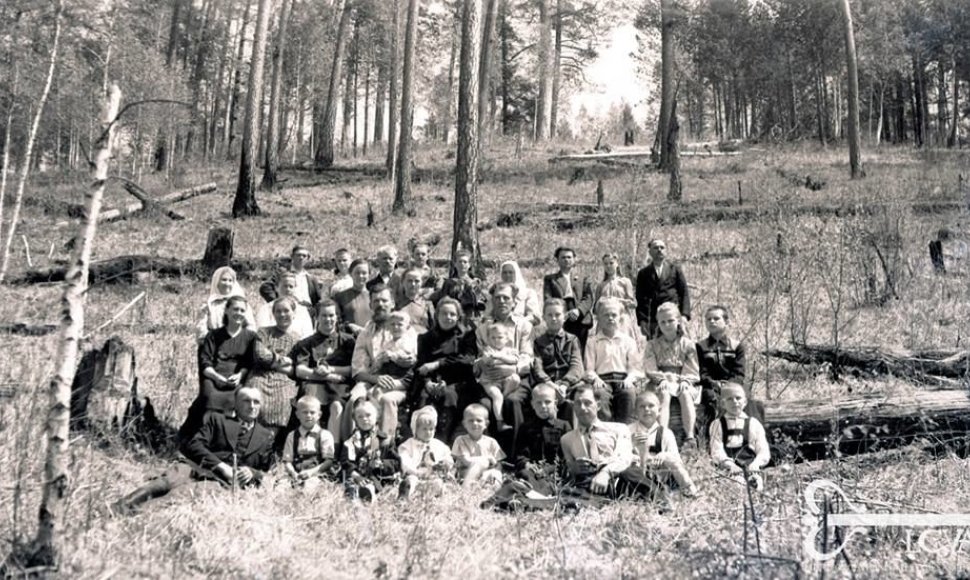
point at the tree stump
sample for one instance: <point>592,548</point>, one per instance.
<point>104,384</point>
<point>936,256</point>
<point>599,194</point>
<point>218,248</point>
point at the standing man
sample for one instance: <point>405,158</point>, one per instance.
<point>308,289</point>
<point>576,292</point>
<point>658,282</point>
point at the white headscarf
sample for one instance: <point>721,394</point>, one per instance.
<point>425,411</point>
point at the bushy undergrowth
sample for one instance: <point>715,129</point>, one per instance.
<point>788,278</point>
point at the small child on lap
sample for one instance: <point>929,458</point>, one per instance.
<point>476,454</point>
<point>495,370</point>
<point>655,447</point>
<point>394,360</point>
<point>309,449</point>
<point>426,462</point>
<point>739,444</point>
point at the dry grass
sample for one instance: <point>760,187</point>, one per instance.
<point>279,532</point>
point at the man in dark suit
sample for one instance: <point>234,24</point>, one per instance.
<point>658,282</point>
<point>576,292</point>
<point>230,450</point>
<point>308,291</point>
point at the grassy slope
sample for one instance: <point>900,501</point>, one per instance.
<point>280,532</point>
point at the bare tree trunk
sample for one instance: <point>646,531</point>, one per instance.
<point>882,110</point>
<point>245,202</point>
<point>31,139</point>
<point>855,142</point>
<point>452,61</point>
<point>666,79</point>
<point>224,57</point>
<point>954,138</point>
<point>367,74</point>
<point>556,72</point>
<point>485,67</point>
<point>676,191</point>
<point>380,91</point>
<point>235,74</point>
<point>392,112</point>
<point>544,98</point>
<point>6,143</point>
<point>56,483</point>
<point>272,161</point>
<point>163,151</point>
<point>323,157</point>
<point>465,230</point>
<point>403,201</point>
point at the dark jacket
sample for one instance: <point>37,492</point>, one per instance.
<point>218,440</point>
<point>652,292</point>
<point>582,299</point>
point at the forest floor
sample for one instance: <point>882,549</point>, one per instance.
<point>787,276</point>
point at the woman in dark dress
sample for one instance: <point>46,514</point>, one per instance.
<point>226,356</point>
<point>442,375</point>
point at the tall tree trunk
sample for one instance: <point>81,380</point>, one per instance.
<point>954,138</point>
<point>272,161</point>
<point>452,62</point>
<point>485,66</point>
<point>465,227</point>
<point>855,142</point>
<point>676,191</point>
<point>57,428</point>
<point>505,43</point>
<point>232,111</point>
<point>162,150</point>
<point>666,79</point>
<point>367,71</point>
<point>392,112</point>
<point>544,97</point>
<point>355,96</point>
<point>225,53</point>
<point>323,157</point>
<point>556,72</point>
<point>403,201</point>
<point>245,202</point>
<point>882,109</point>
<point>7,128</point>
<point>27,162</point>
<point>379,93</point>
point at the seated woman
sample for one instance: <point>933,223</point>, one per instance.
<point>442,376</point>
<point>223,286</point>
<point>301,322</point>
<point>526,299</point>
<point>226,356</point>
<point>274,367</point>
<point>670,362</point>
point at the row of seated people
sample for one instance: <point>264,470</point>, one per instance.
<point>558,464</point>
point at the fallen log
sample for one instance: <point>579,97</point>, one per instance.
<point>640,154</point>
<point>816,429</point>
<point>148,203</point>
<point>133,208</point>
<point>23,329</point>
<point>105,399</point>
<point>950,368</point>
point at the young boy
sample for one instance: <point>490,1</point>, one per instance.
<point>430,281</point>
<point>494,372</point>
<point>558,360</point>
<point>613,364</point>
<point>720,357</point>
<point>539,457</point>
<point>368,458</point>
<point>655,447</point>
<point>739,444</point>
<point>476,454</point>
<point>309,449</point>
<point>415,304</point>
<point>425,461</point>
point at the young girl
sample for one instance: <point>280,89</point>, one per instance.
<point>368,459</point>
<point>341,271</point>
<point>655,447</point>
<point>670,362</point>
<point>614,285</point>
<point>425,461</point>
<point>301,323</point>
<point>223,286</point>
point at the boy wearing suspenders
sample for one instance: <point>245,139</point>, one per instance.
<point>739,444</point>
<point>655,447</point>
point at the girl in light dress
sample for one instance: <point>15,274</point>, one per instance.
<point>614,285</point>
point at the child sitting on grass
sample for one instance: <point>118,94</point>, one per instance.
<point>495,370</point>
<point>476,454</point>
<point>368,458</point>
<point>426,462</point>
<point>739,444</point>
<point>670,361</point>
<point>655,447</point>
<point>539,457</point>
<point>613,363</point>
<point>309,450</point>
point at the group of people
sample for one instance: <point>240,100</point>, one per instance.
<point>404,378</point>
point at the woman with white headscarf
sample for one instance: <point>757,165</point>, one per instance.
<point>224,285</point>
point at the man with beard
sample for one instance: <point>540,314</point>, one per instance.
<point>370,342</point>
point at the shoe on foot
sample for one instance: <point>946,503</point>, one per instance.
<point>366,493</point>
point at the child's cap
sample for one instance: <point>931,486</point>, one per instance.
<point>424,414</point>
